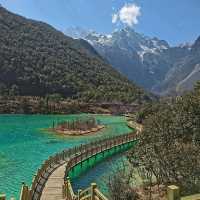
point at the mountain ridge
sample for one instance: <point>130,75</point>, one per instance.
<point>135,54</point>
<point>184,74</point>
<point>38,60</point>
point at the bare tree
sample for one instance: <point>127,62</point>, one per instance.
<point>119,184</point>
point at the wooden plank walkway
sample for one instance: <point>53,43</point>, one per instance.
<point>53,188</point>
<point>49,180</point>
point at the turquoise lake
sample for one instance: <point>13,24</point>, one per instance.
<point>24,145</point>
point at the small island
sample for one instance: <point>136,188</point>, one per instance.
<point>78,127</point>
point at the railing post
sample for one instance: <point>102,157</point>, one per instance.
<point>173,192</point>
<point>79,194</point>
<point>63,155</point>
<point>67,187</point>
<point>2,197</point>
<point>93,187</point>
<point>81,148</point>
<point>24,192</point>
<point>64,189</point>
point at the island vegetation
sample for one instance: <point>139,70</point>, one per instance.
<point>77,127</point>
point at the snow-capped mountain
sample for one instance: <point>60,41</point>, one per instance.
<point>128,40</point>
<point>147,61</point>
<point>77,32</point>
<point>133,54</point>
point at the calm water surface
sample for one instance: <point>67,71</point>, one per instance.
<point>24,145</point>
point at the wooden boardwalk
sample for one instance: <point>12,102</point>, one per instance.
<point>53,189</point>
<point>49,183</point>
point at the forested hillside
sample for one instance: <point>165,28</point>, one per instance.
<point>37,60</point>
<point>168,151</point>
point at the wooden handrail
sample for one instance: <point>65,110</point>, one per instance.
<point>100,195</point>
<point>71,191</point>
<point>93,151</point>
<point>73,157</point>
<point>86,191</point>
<point>90,193</point>
<point>87,197</point>
<point>107,144</point>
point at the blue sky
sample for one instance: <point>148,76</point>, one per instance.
<point>176,21</point>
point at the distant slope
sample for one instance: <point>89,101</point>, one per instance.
<point>184,73</point>
<point>150,62</point>
<point>36,60</point>
<point>133,54</point>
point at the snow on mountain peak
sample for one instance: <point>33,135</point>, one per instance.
<point>126,39</point>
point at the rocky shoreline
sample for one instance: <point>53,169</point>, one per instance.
<point>77,132</point>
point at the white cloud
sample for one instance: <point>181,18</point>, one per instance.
<point>128,14</point>
<point>114,18</point>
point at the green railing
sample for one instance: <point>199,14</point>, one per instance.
<point>71,157</point>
